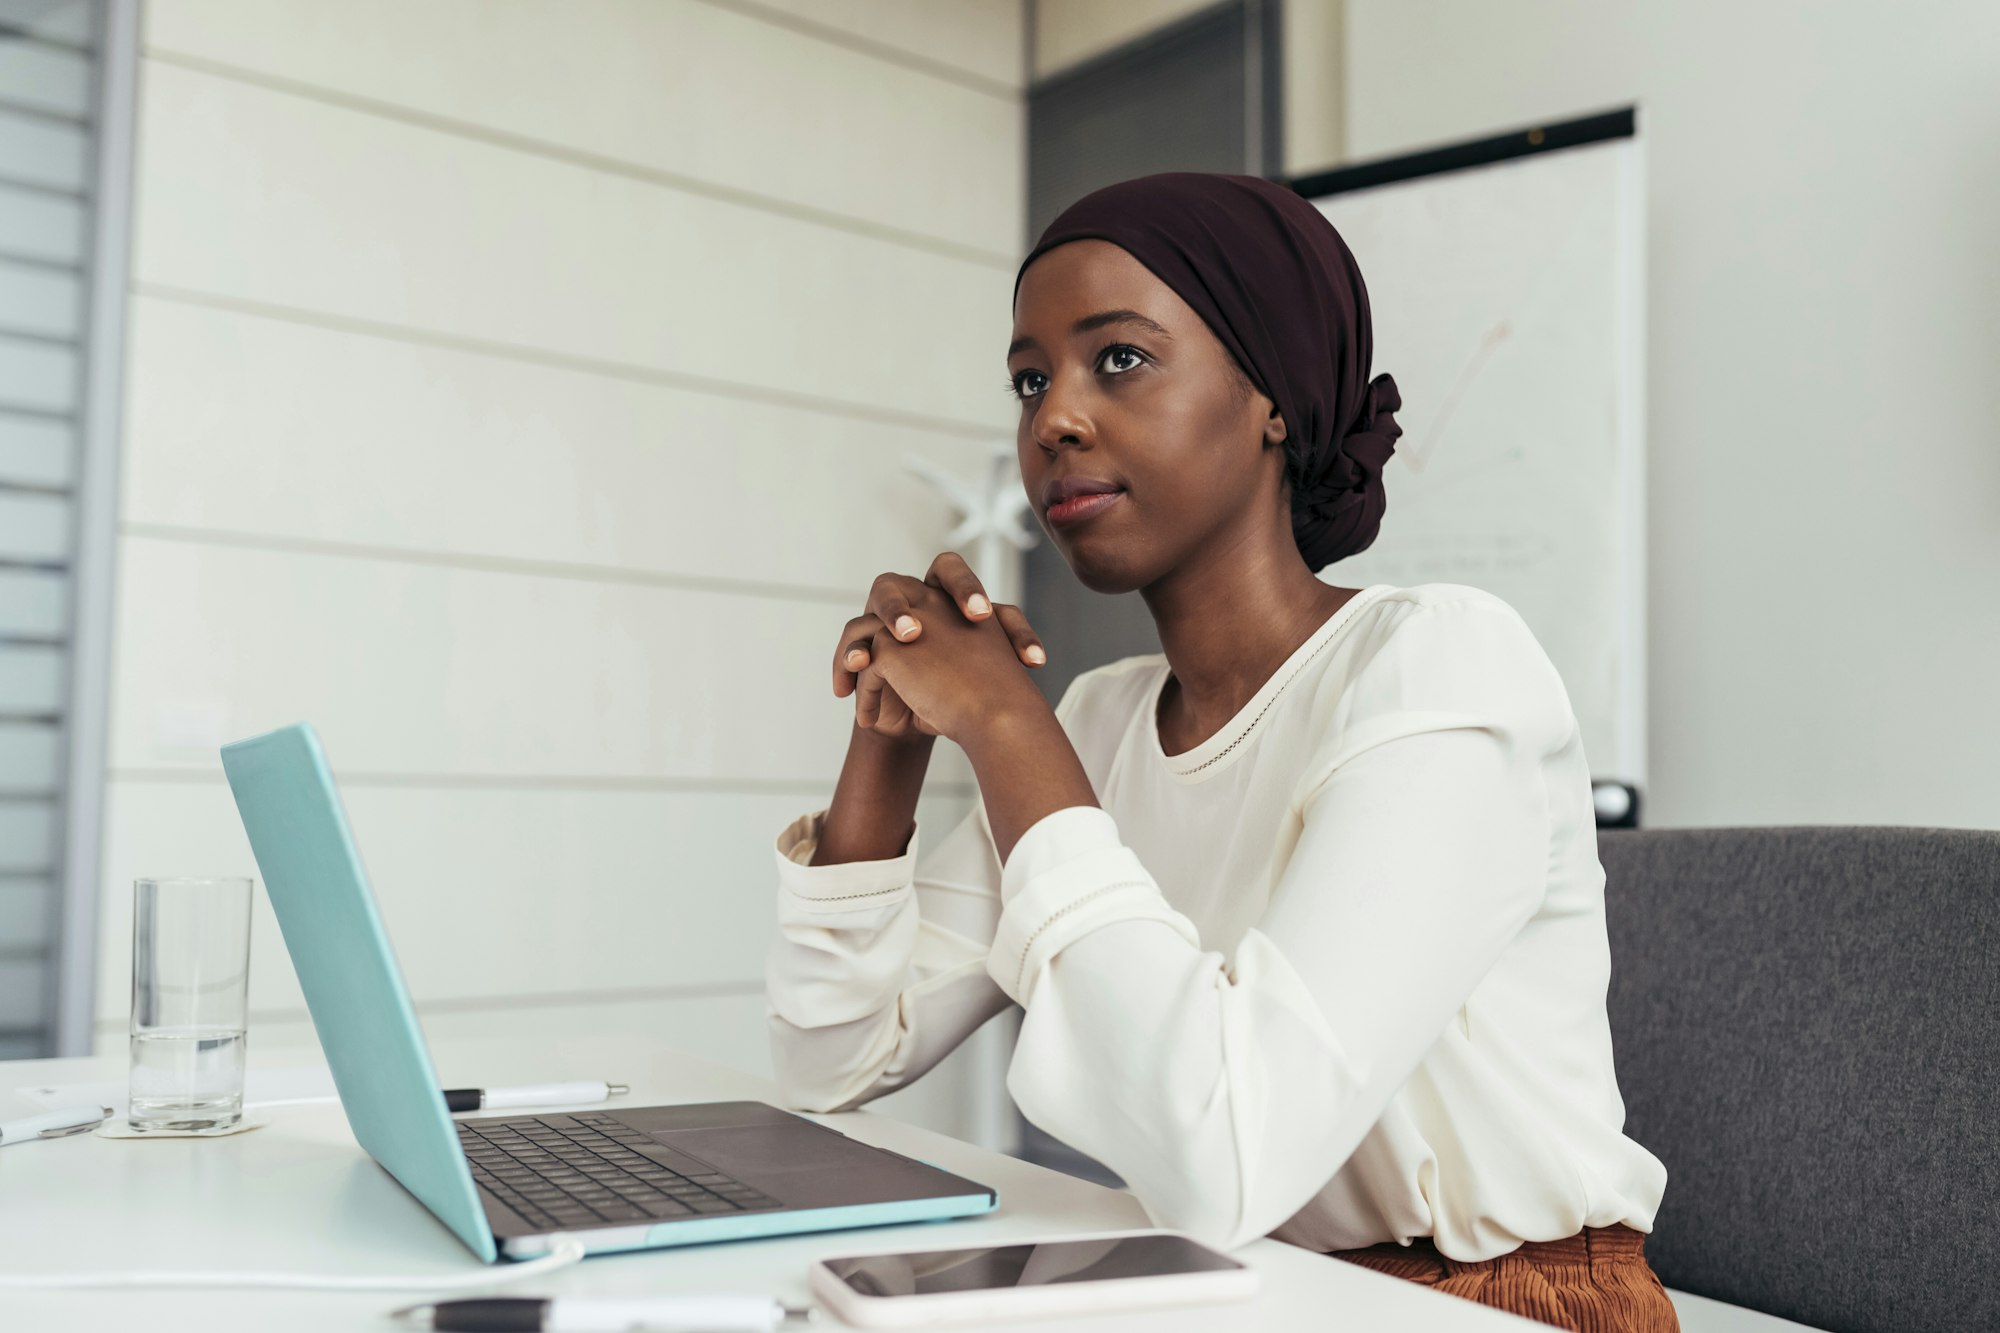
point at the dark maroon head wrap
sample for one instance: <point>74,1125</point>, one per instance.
<point>1269,274</point>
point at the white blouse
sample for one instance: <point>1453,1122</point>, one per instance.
<point>1336,974</point>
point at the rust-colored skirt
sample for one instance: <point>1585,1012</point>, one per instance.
<point>1597,1281</point>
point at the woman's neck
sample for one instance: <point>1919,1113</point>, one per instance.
<point>1228,619</point>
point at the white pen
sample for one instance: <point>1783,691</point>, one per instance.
<point>539,1094</point>
<point>660,1314</point>
<point>53,1124</point>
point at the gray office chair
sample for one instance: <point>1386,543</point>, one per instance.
<point>1808,1035</point>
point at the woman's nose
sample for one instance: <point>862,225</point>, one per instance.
<point>1059,417</point>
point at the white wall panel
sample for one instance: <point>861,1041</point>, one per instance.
<point>410,669</point>
<point>690,89</point>
<point>252,425</point>
<point>728,1029</point>
<point>979,37</point>
<point>421,669</point>
<point>519,392</point>
<point>335,211</point>
<point>1070,32</point>
<point>497,897</point>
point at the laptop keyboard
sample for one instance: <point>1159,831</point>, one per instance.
<point>568,1171</point>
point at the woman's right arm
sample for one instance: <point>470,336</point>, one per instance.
<point>875,801</point>
<point>878,970</point>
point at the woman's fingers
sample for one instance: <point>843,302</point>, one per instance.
<point>1027,643</point>
<point>955,578</point>
<point>894,597</point>
<point>880,709</point>
<point>891,600</point>
<point>868,690</point>
<point>853,656</point>
<point>891,606</point>
<point>893,717</point>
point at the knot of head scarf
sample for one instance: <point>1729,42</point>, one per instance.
<point>1273,280</point>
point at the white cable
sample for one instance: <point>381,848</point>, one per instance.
<point>562,1256</point>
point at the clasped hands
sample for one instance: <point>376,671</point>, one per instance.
<point>936,657</point>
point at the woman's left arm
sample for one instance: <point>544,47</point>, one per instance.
<point>1228,1096</point>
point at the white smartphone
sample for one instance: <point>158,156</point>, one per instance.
<point>1133,1270</point>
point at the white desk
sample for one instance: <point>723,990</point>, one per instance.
<point>299,1195</point>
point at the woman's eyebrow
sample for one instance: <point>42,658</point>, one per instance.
<point>1098,321</point>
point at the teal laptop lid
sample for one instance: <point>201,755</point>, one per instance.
<point>290,809</point>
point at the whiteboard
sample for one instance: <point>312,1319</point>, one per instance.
<point>1508,304</point>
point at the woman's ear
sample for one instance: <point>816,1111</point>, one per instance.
<point>1274,427</point>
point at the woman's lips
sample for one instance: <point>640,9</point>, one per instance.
<point>1083,507</point>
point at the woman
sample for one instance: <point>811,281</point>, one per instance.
<point>1304,914</point>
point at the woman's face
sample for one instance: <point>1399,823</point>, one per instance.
<point>1124,390</point>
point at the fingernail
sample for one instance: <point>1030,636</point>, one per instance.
<point>905,626</point>
<point>978,605</point>
<point>856,659</point>
<point>1035,654</point>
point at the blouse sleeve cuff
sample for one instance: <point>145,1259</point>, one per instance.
<point>805,889</point>
<point>1069,874</point>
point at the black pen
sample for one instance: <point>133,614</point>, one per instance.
<point>657,1314</point>
<point>538,1094</point>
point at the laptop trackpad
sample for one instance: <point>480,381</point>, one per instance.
<point>804,1165</point>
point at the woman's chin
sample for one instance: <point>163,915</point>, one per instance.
<point>1103,571</point>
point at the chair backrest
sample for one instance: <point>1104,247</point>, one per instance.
<point>1807,1028</point>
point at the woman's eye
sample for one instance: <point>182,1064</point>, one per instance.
<point>1120,350</point>
<point>1020,384</point>
<point>1031,383</point>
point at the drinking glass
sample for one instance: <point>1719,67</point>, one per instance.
<point>190,992</point>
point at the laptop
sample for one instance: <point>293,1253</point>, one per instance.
<point>646,1178</point>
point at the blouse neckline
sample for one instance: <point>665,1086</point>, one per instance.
<point>1218,751</point>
